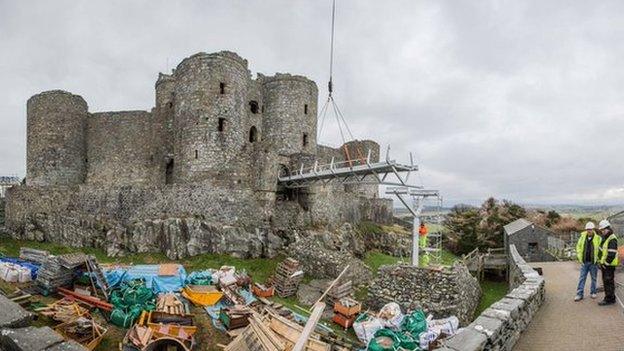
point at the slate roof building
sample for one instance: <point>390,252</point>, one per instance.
<point>617,223</point>
<point>531,240</point>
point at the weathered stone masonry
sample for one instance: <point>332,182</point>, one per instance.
<point>499,327</point>
<point>441,292</point>
<point>206,156</point>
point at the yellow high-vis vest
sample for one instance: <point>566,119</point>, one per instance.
<point>580,246</point>
<point>606,250</point>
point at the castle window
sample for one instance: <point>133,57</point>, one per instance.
<point>253,106</point>
<point>170,105</point>
<point>196,154</point>
<point>169,172</point>
<point>221,126</point>
<point>222,88</point>
<point>305,139</point>
<point>262,108</point>
<point>253,134</point>
<point>305,109</point>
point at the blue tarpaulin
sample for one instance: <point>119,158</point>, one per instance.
<point>26,264</point>
<point>149,273</point>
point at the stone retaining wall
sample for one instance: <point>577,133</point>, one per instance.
<point>441,292</point>
<point>499,327</point>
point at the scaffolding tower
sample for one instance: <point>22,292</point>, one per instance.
<point>415,208</point>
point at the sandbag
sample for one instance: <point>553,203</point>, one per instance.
<point>385,339</point>
<point>414,323</point>
<point>121,319</point>
<point>391,315</point>
<point>365,327</point>
<point>24,275</point>
<point>447,326</point>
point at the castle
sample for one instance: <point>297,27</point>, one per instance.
<point>198,173</point>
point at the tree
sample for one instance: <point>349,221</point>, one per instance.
<point>552,218</point>
<point>482,227</point>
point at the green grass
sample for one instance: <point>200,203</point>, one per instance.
<point>259,268</point>
<point>492,292</point>
<point>376,259</point>
<point>448,258</point>
<point>11,247</point>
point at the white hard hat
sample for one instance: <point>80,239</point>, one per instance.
<point>603,224</point>
<point>590,225</point>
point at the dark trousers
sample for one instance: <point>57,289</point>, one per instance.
<point>608,280</point>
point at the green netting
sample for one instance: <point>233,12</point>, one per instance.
<point>385,339</point>
<point>129,301</point>
<point>415,323</point>
<point>199,278</point>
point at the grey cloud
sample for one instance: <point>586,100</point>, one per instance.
<point>521,100</point>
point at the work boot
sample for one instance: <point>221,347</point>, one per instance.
<point>605,303</point>
<point>578,298</point>
<point>593,296</point>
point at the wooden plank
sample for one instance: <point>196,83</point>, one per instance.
<point>268,332</point>
<point>317,312</point>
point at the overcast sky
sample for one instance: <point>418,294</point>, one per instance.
<point>522,100</point>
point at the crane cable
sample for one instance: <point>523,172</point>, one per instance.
<point>331,49</point>
<point>340,120</point>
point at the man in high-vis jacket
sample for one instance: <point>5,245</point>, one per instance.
<point>587,253</point>
<point>608,261</point>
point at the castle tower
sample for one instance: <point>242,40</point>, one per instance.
<point>165,97</point>
<point>290,108</point>
<point>56,146</point>
<point>358,149</point>
<point>163,110</point>
<point>209,118</point>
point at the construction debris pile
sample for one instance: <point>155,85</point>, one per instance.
<point>159,304</point>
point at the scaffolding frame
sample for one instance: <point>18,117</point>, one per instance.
<point>418,198</point>
<point>358,171</point>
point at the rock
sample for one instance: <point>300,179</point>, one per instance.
<point>29,339</point>
<point>308,295</point>
<point>13,315</point>
<point>319,261</point>
<point>176,237</point>
<point>67,346</point>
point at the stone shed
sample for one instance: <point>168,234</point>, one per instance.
<point>617,223</point>
<point>531,240</point>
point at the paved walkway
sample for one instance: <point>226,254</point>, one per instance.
<point>562,324</point>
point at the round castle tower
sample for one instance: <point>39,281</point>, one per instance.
<point>359,149</point>
<point>165,100</point>
<point>290,107</point>
<point>209,118</point>
<point>56,145</point>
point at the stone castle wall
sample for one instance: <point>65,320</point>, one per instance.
<point>499,326</point>
<point>123,149</point>
<point>210,149</point>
